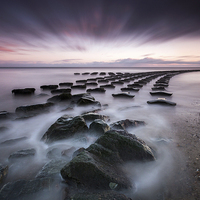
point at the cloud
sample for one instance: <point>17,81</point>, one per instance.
<point>38,22</point>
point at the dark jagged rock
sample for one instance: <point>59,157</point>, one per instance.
<point>67,84</point>
<point>129,89</point>
<point>161,93</point>
<point>162,102</point>
<point>51,168</point>
<point>49,87</point>
<point>96,90</point>
<point>13,141</point>
<point>99,166</point>
<point>88,117</point>
<point>123,95</point>
<point>78,86</point>
<point>58,91</point>
<point>86,101</point>
<point>3,172</point>
<point>60,98</point>
<point>99,127</point>
<point>127,123</point>
<point>158,88</point>
<point>107,86</point>
<point>33,110</point>
<point>22,154</point>
<point>30,189</point>
<point>65,127</point>
<point>26,91</point>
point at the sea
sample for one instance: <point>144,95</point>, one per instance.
<point>157,132</point>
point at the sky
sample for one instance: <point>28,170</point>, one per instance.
<point>99,33</point>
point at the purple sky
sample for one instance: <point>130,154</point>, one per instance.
<point>99,33</point>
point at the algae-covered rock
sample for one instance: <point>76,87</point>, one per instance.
<point>64,128</point>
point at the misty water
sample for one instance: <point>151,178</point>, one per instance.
<point>148,178</point>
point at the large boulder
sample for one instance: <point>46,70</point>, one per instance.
<point>65,127</point>
<point>32,110</point>
<point>99,166</point>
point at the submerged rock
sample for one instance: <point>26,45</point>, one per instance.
<point>58,91</point>
<point>129,89</point>
<point>22,153</point>
<point>5,115</point>
<point>60,98</point>
<point>33,110</point>
<point>127,123</point>
<point>13,141</point>
<point>65,127</point>
<point>97,90</point>
<point>49,87</point>
<point>68,84</point>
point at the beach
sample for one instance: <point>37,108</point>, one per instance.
<point>171,132</point>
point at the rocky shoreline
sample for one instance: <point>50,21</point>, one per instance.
<point>95,172</point>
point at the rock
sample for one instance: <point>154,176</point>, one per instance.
<point>81,81</point>
<point>162,102</point>
<point>76,73</point>
<point>92,79</point>
<point>3,172</point>
<point>161,93</point>
<point>99,127</point>
<point>31,189</point>
<point>107,86</point>
<point>102,73</point>
<point>127,123</point>
<point>129,89</point>
<point>86,101</point>
<point>13,141</point>
<point>117,82</point>
<point>58,91</point>
<point>102,81</point>
<point>52,168</point>
<point>33,110</point>
<point>137,85</point>
<point>76,97</point>
<point>68,152</point>
<point>100,164</point>
<point>5,115</point>
<point>123,95</point>
<point>94,73</point>
<point>67,84</point>
<point>60,98</point>
<point>22,153</point>
<point>65,127</point>
<point>78,86</point>
<point>158,88</point>
<point>49,87</point>
<point>96,90</point>
<point>88,117</point>
<point>91,84</point>
<point>160,85</point>
<point>26,91</point>
<point>85,73</point>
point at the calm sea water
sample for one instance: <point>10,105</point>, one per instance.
<point>185,88</point>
